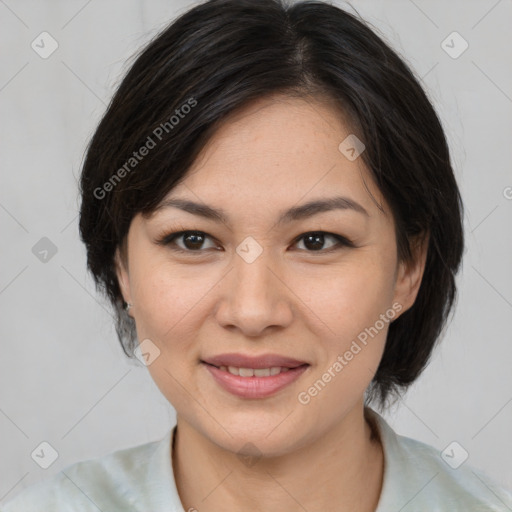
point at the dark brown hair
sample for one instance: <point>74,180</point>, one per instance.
<point>221,55</point>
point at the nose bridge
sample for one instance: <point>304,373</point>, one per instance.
<point>253,278</point>
<point>251,261</point>
<point>255,297</point>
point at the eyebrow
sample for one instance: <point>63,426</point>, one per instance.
<point>293,214</point>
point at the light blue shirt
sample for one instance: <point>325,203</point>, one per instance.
<point>140,479</point>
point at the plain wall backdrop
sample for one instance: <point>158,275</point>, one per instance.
<point>64,379</point>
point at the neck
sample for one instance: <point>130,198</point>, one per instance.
<point>344,465</point>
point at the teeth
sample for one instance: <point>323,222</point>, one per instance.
<point>254,372</point>
<point>233,370</point>
<point>245,372</point>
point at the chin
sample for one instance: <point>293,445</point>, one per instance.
<point>255,437</point>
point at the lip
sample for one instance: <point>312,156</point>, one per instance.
<point>255,387</point>
<point>245,361</point>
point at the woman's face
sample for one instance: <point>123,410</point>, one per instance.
<point>255,285</point>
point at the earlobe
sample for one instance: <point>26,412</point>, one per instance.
<point>410,273</point>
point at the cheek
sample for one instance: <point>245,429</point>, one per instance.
<point>350,296</point>
<point>354,304</point>
<point>170,303</point>
<point>165,296</point>
<point>356,310</point>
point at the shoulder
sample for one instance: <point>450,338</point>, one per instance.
<point>463,487</point>
<point>111,482</point>
<point>421,477</point>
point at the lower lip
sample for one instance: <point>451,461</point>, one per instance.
<point>255,387</point>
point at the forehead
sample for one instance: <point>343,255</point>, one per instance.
<point>278,151</point>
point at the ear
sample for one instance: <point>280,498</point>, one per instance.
<point>410,273</point>
<point>122,276</point>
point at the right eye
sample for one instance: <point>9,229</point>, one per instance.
<point>192,240</point>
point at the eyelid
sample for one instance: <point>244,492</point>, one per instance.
<point>342,240</point>
<point>169,238</point>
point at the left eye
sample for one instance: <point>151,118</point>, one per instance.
<point>193,241</point>
<point>316,239</point>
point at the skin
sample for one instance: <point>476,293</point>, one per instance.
<point>293,300</point>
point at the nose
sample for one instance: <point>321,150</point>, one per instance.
<point>254,297</point>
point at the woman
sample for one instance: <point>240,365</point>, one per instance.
<point>269,205</point>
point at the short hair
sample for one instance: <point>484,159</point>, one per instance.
<point>218,57</point>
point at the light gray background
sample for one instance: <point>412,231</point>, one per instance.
<point>64,378</point>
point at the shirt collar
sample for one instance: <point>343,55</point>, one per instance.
<point>161,494</point>
<point>391,449</point>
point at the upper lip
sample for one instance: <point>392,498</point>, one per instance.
<point>245,361</point>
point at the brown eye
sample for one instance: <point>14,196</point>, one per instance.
<point>192,241</point>
<point>315,241</point>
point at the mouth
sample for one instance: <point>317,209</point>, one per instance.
<point>253,383</point>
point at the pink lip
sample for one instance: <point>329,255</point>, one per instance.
<point>255,387</point>
<point>245,361</point>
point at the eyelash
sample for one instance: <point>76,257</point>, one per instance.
<point>168,239</point>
